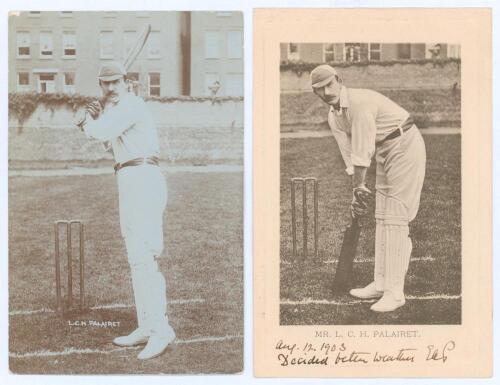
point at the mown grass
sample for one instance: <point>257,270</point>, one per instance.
<point>204,260</point>
<point>429,108</point>
<point>436,235</point>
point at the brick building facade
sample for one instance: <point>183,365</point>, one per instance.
<point>186,53</point>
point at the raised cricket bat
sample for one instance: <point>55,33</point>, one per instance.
<point>342,281</point>
<point>129,60</point>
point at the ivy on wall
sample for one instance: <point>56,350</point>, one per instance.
<point>23,104</point>
<point>299,67</point>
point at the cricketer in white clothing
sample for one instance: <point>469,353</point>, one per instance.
<point>128,125</point>
<point>365,123</point>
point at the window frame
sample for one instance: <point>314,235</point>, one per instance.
<point>379,51</point>
<point>19,86</point>
<point>240,42</point>
<point>158,86</point>
<point>292,56</point>
<point>65,85</point>
<point>42,56</point>
<point>101,54</point>
<point>325,52</point>
<point>64,56</point>
<point>28,56</point>
<point>158,35</point>
<point>242,84</point>
<point>218,33</point>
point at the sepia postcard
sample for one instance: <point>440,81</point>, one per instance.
<point>125,192</point>
<point>372,193</point>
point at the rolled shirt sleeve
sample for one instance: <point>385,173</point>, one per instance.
<point>363,134</point>
<point>343,142</point>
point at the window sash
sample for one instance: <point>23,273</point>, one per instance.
<point>154,83</point>
<point>234,84</point>
<point>23,78</point>
<point>106,43</point>
<point>293,51</point>
<point>375,50</point>
<point>69,78</point>
<point>23,44</point>
<point>234,44</point>
<point>46,44</point>
<point>212,44</point>
<point>328,52</point>
<point>69,43</point>
<point>154,46</point>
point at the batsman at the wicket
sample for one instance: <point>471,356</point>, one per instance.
<point>365,124</point>
<point>128,125</point>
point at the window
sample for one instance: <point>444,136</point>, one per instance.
<point>154,84</point>
<point>66,14</point>
<point>34,14</point>
<point>328,53</point>
<point>133,82</point>
<point>454,50</point>
<point>234,84</point>
<point>212,44</point>
<point>69,83</point>
<point>234,44</point>
<point>154,45</point>
<point>46,83</point>
<point>223,14</point>
<point>404,51</point>
<point>23,81</point>
<point>293,51</point>
<point>128,42</point>
<point>212,84</point>
<point>352,52</point>
<point>107,50</point>
<point>23,44</point>
<point>69,44</point>
<point>374,51</point>
<point>45,45</point>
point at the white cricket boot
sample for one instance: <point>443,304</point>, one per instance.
<point>141,334</point>
<point>161,333</point>
<point>137,337</point>
<point>367,292</point>
<point>157,344</point>
<point>387,303</point>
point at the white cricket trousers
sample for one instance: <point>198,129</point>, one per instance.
<point>400,177</point>
<point>143,199</point>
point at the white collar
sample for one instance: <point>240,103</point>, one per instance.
<point>343,100</point>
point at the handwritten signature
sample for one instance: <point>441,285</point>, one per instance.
<point>439,354</point>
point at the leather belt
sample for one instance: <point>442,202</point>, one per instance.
<point>407,124</point>
<point>152,160</point>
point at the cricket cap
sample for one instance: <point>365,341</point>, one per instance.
<point>111,71</point>
<point>322,75</point>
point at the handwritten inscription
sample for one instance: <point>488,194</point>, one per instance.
<point>437,353</point>
<point>337,354</point>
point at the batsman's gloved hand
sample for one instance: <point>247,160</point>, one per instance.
<point>360,199</point>
<point>94,109</point>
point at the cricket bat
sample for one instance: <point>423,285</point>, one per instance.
<point>127,63</point>
<point>343,275</point>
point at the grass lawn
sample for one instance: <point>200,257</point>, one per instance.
<point>435,268</point>
<point>203,268</point>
